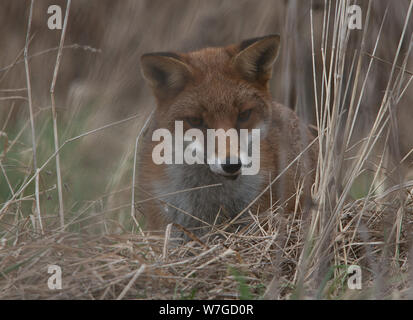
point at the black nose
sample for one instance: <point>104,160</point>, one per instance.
<point>230,168</point>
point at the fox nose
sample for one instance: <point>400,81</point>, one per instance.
<point>231,168</point>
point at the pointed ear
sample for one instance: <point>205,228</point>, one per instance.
<point>165,72</point>
<point>256,57</point>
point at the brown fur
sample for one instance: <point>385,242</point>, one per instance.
<point>217,84</point>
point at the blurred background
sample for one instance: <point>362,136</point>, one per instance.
<point>99,81</point>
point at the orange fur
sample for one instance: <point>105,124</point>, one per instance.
<point>216,85</point>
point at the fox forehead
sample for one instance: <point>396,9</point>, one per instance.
<point>210,62</point>
<point>219,80</point>
<point>215,87</point>
<point>215,97</point>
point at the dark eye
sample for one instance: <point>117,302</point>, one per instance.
<point>195,122</point>
<point>245,115</point>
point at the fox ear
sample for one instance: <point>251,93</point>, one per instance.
<point>165,72</point>
<point>256,58</point>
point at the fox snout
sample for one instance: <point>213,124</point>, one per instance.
<point>230,168</point>
<point>226,160</point>
<point>227,152</point>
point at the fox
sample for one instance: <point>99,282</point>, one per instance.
<point>222,88</point>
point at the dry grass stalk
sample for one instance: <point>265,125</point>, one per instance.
<point>54,116</point>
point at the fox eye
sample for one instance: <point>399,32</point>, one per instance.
<point>245,115</point>
<point>195,122</point>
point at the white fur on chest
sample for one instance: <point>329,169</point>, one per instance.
<point>231,197</point>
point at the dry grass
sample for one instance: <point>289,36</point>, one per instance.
<point>357,83</point>
<point>262,260</point>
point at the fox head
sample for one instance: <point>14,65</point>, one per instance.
<point>215,88</point>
